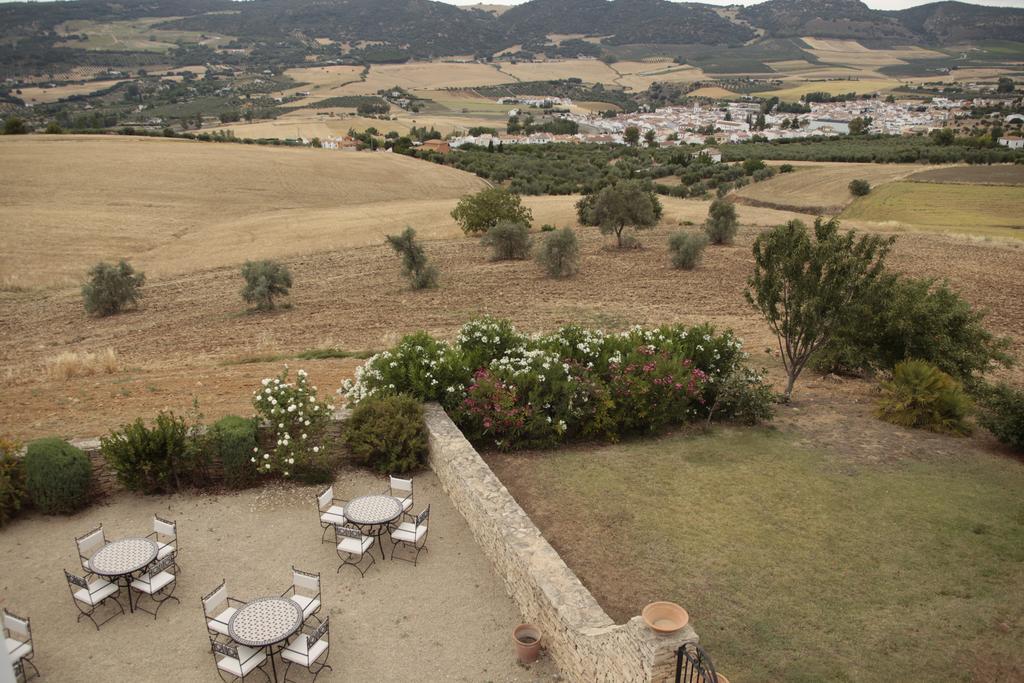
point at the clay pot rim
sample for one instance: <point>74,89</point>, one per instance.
<point>680,613</point>
<point>522,627</point>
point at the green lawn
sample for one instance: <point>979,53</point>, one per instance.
<point>795,567</point>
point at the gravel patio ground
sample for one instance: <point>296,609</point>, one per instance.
<point>448,619</point>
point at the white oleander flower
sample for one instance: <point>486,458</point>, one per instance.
<point>266,456</point>
<point>316,449</point>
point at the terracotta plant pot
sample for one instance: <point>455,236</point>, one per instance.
<point>527,639</point>
<point>665,617</point>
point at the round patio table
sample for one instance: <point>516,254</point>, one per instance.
<point>118,560</point>
<point>265,622</point>
<point>372,514</point>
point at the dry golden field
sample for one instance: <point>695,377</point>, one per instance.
<point>174,206</point>
<point>819,188</point>
<point>46,95</point>
<point>852,53</point>
<point>188,213</point>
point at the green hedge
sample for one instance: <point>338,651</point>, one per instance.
<point>57,476</point>
<point>388,434</point>
<point>158,460</point>
<point>232,440</point>
<point>12,481</point>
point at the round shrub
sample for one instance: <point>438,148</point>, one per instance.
<point>721,225</point>
<point>12,481</point>
<point>57,476</point>
<point>264,281</point>
<point>232,440</point>
<point>559,253</point>
<point>388,434</point>
<point>922,396</point>
<point>161,459</point>
<point>1002,413</point>
<point>508,241</point>
<point>111,288</point>
<point>686,249</point>
<point>859,188</point>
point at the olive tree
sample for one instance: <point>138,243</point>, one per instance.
<point>482,211</point>
<point>112,288</point>
<point>264,281</point>
<point>721,224</point>
<point>415,266</point>
<point>807,286</point>
<point>619,206</point>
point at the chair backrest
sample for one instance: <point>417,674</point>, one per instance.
<point>89,542</point>
<point>74,579</point>
<point>318,633</point>
<point>403,485</point>
<point>161,565</point>
<point>215,597</point>
<point>17,626</point>
<point>165,527</point>
<point>326,497</point>
<point>347,531</point>
<point>226,649</point>
<point>305,580</point>
<point>421,519</point>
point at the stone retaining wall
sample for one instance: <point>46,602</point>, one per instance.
<point>583,640</point>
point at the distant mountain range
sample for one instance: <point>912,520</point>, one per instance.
<point>423,28</point>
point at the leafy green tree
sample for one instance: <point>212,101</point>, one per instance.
<point>859,187</point>
<point>631,135</point>
<point>807,286</point>
<point>508,241</point>
<point>559,253</point>
<point>858,126</point>
<point>264,281</point>
<point>722,224</point>
<point>415,265</point>
<point>649,138</point>
<point>480,212</point>
<point>15,126</point>
<point>616,207</point>
<point>53,128</point>
<point>943,136</point>
<point>111,288</point>
<point>1005,84</point>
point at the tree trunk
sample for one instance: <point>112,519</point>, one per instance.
<point>791,380</point>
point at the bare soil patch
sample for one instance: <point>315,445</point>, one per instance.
<point>1000,174</point>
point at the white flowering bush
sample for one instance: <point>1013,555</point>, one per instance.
<point>510,390</point>
<point>297,422</point>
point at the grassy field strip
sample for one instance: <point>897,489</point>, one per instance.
<point>972,209</point>
<point>792,565</point>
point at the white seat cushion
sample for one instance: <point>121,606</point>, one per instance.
<point>408,532</point>
<point>355,546</point>
<point>406,504</point>
<point>220,623</point>
<point>334,515</point>
<point>296,650</point>
<point>156,584</point>
<point>308,605</point>
<point>17,649</point>
<point>99,591</point>
<point>249,657</point>
<point>165,550</point>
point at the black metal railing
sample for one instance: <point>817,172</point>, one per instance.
<point>693,665</point>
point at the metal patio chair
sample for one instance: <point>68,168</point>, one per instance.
<point>353,545</point>
<point>305,592</point>
<point>307,649</point>
<point>158,582</point>
<point>92,592</point>
<point>411,534</point>
<point>402,490</point>
<point>88,543</point>
<point>330,512</point>
<point>218,608</point>
<point>236,660</point>
<point>18,638</point>
<point>165,533</point>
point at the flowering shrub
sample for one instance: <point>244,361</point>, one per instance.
<point>297,421</point>
<point>508,390</point>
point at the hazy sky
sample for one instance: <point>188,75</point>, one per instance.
<point>875,4</point>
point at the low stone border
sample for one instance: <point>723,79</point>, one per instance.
<point>583,640</point>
